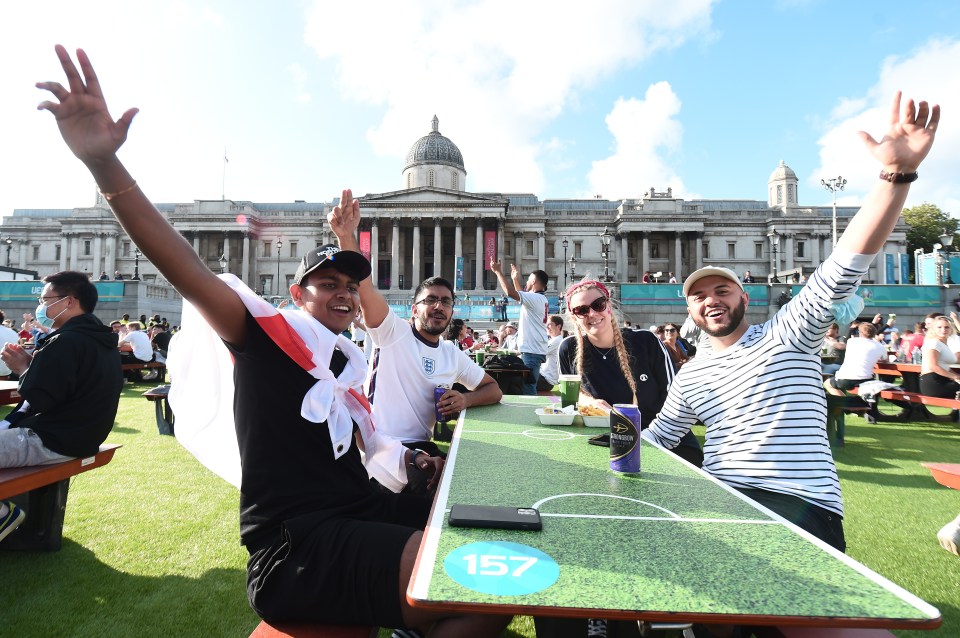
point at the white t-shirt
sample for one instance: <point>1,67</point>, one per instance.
<point>532,334</point>
<point>550,369</point>
<point>141,344</point>
<point>404,371</point>
<point>6,336</point>
<point>861,355</point>
<point>945,356</point>
<point>359,335</point>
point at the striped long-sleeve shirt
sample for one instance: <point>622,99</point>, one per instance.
<point>762,399</point>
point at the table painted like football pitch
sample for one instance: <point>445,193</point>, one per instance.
<point>670,544</point>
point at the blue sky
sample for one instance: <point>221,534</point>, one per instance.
<point>561,99</point>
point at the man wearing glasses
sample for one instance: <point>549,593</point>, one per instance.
<point>70,387</point>
<point>532,334</point>
<point>410,359</point>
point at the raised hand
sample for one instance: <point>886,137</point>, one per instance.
<point>909,138</point>
<point>345,217</point>
<point>81,112</point>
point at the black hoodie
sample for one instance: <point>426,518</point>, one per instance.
<point>73,387</point>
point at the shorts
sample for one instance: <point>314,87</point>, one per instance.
<point>20,447</point>
<point>846,384</point>
<point>333,570</point>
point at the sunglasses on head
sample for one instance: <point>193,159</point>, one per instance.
<point>597,305</point>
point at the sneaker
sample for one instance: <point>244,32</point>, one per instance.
<point>406,633</point>
<point>12,520</point>
<point>597,627</point>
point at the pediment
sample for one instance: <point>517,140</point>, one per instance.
<point>432,195</point>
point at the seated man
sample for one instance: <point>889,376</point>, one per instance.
<point>410,361</point>
<point>135,347</point>
<point>550,369</point>
<point>862,354</point>
<point>160,340</point>
<point>70,386</point>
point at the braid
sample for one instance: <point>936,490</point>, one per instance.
<point>623,356</point>
<point>580,348</point>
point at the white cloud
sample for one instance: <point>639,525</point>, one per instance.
<point>645,133</point>
<point>495,72</point>
<point>921,75</point>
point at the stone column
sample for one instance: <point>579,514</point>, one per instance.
<point>437,245</point>
<point>623,256</point>
<point>677,254</point>
<point>64,252</point>
<point>517,252</point>
<point>698,255</point>
<point>97,256</point>
<point>478,267</point>
<point>74,251</point>
<point>815,249</point>
<point>111,256</point>
<point>226,249</point>
<point>196,242</point>
<point>375,252</point>
<point>541,249</point>
<point>395,254</point>
<point>245,261</point>
<point>417,274</point>
<point>644,254</point>
<point>788,249</point>
<point>500,238</point>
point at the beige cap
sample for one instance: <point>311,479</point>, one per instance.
<point>710,271</point>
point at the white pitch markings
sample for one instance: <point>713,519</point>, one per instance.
<point>540,434</point>
<point>671,516</point>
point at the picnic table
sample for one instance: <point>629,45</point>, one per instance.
<point>670,545</point>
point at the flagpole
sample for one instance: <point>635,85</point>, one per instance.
<point>223,184</point>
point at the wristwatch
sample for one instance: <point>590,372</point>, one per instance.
<point>413,457</point>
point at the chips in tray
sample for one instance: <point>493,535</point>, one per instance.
<point>590,410</point>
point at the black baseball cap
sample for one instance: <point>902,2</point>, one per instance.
<point>346,261</point>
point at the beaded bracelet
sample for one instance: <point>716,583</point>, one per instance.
<point>110,196</point>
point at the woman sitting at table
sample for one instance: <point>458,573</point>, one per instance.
<point>617,366</point>
<point>671,341</point>
<point>457,333</point>
<point>937,378</point>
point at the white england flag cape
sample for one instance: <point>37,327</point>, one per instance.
<point>201,389</point>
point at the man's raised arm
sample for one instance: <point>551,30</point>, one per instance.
<point>900,152</point>
<point>508,288</point>
<point>344,221</point>
<point>94,137</point>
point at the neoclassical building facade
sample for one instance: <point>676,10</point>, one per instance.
<point>431,226</point>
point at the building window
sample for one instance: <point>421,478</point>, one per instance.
<point>801,249</point>
<point>125,249</point>
<point>382,244</point>
<point>631,250</point>
<point>263,285</point>
<point>731,250</point>
<point>706,250</point>
<point>550,247</point>
<point>293,249</point>
<point>779,193</point>
<point>758,250</point>
<point>431,176</point>
<point>578,249</point>
<point>530,252</point>
<point>455,181</point>
<point>409,180</point>
<point>266,248</point>
<point>86,247</point>
<point>654,250</point>
<point>36,253</point>
<point>57,257</point>
<point>791,193</point>
<point>219,251</point>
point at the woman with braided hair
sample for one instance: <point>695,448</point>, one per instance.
<point>616,365</point>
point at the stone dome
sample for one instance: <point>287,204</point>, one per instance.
<point>434,148</point>
<point>782,172</point>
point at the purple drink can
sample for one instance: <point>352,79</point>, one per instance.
<point>625,438</point>
<point>437,393</point>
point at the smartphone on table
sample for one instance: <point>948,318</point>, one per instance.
<point>495,516</point>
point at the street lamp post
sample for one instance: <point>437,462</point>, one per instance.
<point>565,245</point>
<point>946,239</point>
<point>9,243</point>
<point>223,264</point>
<point>774,246</point>
<point>605,239</point>
<point>573,268</point>
<point>833,185</point>
<point>136,265</point>
<point>279,246</point>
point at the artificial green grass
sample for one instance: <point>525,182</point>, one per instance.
<point>151,541</point>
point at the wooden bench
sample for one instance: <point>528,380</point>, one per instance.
<point>41,490</point>
<point>159,397</point>
<point>837,407</point>
<point>307,630</point>
<point>913,399</point>
<point>159,366</point>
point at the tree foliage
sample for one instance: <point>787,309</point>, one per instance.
<point>927,222</point>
